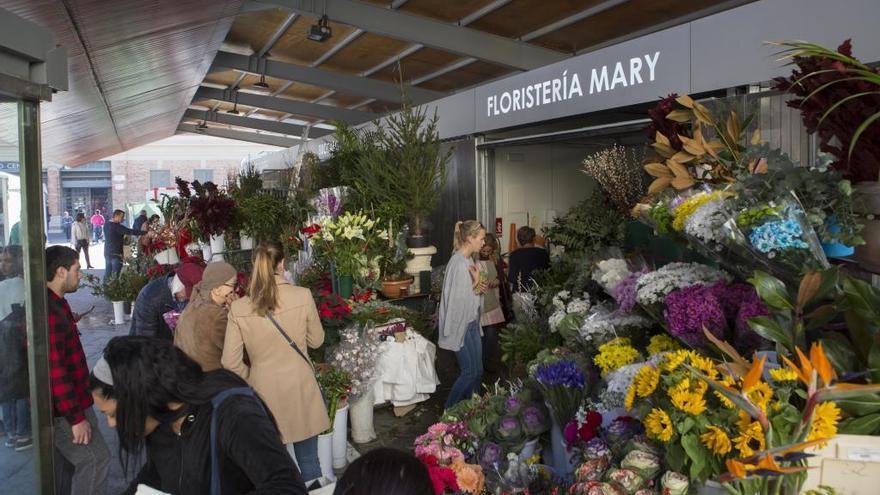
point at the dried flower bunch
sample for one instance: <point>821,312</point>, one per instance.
<point>616,170</point>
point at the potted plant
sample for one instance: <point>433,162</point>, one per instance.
<point>394,279</point>
<point>243,186</point>
<point>262,217</point>
<point>838,97</point>
<point>120,290</point>
<point>211,209</point>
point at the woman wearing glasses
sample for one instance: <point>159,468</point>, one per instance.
<point>201,330</point>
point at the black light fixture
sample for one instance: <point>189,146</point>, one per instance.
<point>234,110</point>
<point>262,85</point>
<point>203,126</point>
<point>320,31</point>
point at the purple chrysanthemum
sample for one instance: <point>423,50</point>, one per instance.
<point>691,309</point>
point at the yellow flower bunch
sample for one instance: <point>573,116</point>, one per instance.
<point>783,375</point>
<point>658,425</point>
<point>662,343</point>
<point>615,354</point>
<point>687,398</point>
<point>646,380</point>
<point>691,205</point>
<point>672,360</point>
<point>716,440</point>
<point>825,418</point>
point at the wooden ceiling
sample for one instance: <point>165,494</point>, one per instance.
<point>560,27</point>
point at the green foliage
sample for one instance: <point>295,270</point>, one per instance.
<point>399,163</point>
<point>588,227</point>
<point>123,287</point>
<point>245,183</point>
<point>263,215</point>
<point>521,342</point>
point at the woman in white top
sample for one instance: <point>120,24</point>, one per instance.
<point>459,311</point>
<point>80,233</point>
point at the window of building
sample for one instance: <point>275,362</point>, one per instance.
<point>160,178</point>
<point>203,175</point>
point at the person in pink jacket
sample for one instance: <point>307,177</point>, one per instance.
<point>97,221</point>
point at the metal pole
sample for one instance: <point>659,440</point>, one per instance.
<point>33,242</point>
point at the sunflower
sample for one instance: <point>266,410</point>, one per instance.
<point>646,381</point>
<point>760,395</point>
<point>783,375</point>
<point>750,440</point>
<point>716,440</point>
<point>705,365</point>
<point>825,418</point>
<point>630,397</point>
<point>658,425</point>
<point>727,381</point>
<point>674,359</point>
<point>687,400</point>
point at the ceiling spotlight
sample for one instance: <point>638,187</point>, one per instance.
<point>321,31</point>
<point>262,85</point>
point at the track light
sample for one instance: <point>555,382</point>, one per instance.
<point>234,110</point>
<point>203,126</point>
<point>262,85</point>
<point>321,31</point>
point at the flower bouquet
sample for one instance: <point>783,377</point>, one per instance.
<point>779,235</point>
<point>604,324</point>
<point>356,355</point>
<point>653,287</point>
<point>444,450</point>
<point>563,385</point>
<point>336,386</point>
<point>353,243</point>
<point>210,208</point>
<point>568,313</point>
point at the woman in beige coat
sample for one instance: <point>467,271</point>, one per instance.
<point>281,375</point>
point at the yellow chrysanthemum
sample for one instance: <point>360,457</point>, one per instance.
<point>687,400</point>
<point>646,380</point>
<point>783,375</point>
<point>658,425</point>
<point>630,396</point>
<point>750,440</point>
<point>662,343</point>
<point>673,360</point>
<point>615,355</point>
<point>760,395</point>
<point>716,440</point>
<point>691,205</point>
<point>705,365</point>
<point>825,418</point>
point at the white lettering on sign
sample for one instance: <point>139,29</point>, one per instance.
<point>542,93</point>
<point>599,77</point>
<point>568,86</point>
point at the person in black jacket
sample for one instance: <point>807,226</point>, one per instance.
<point>114,238</point>
<point>526,260</point>
<point>164,294</point>
<point>161,402</point>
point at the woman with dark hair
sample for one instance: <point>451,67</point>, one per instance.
<point>203,433</point>
<point>277,323</point>
<point>526,260</point>
<point>492,316</point>
<point>387,472</point>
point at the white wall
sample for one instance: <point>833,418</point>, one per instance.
<point>535,183</point>
<point>193,147</point>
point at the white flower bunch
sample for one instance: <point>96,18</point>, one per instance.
<point>349,226</point>
<point>579,305</point>
<point>654,286</point>
<point>619,380</point>
<point>556,318</point>
<point>706,223</point>
<point>565,305</point>
<point>610,272</point>
<point>604,325</point>
<point>560,299</point>
<point>357,354</point>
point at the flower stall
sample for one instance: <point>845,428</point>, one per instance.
<point>736,371</point>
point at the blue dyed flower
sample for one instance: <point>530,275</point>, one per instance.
<point>778,235</point>
<point>563,372</point>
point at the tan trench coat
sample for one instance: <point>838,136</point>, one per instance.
<point>283,379</point>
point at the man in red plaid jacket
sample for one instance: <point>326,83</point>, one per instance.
<point>77,437</point>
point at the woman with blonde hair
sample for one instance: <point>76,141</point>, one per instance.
<point>459,311</point>
<point>276,324</point>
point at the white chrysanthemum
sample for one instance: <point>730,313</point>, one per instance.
<point>609,273</point>
<point>580,305</point>
<point>705,223</point>
<point>654,286</point>
<point>556,319</point>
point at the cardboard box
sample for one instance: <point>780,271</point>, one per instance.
<point>849,463</point>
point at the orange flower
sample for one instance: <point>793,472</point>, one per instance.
<point>822,364</point>
<point>754,374</point>
<point>469,476</point>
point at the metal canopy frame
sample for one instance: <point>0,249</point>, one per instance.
<point>252,123</point>
<point>252,137</point>
<point>285,105</point>
<point>346,83</point>
<point>429,32</point>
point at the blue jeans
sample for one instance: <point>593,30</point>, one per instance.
<point>17,417</point>
<point>470,361</point>
<point>307,459</point>
<point>113,265</point>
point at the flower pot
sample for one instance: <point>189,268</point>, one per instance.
<point>206,251</point>
<point>562,458</point>
<point>528,450</point>
<point>167,257</point>
<point>391,288</point>
<point>247,242</point>
<point>118,312</point>
<point>867,201</point>
<point>340,438</point>
<point>218,246</point>
<point>325,455</point>
<point>420,262</point>
<point>361,413</point>
<point>836,249</point>
<point>345,286</point>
